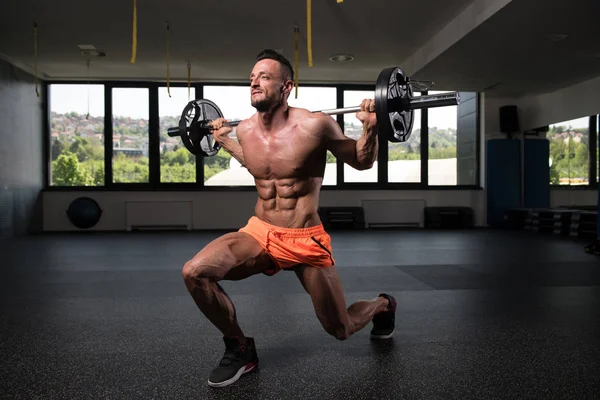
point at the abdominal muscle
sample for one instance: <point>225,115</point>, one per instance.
<point>289,203</point>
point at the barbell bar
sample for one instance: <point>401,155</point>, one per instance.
<point>394,108</point>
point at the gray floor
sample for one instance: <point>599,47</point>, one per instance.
<point>481,314</point>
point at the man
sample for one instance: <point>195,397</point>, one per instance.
<point>285,149</point>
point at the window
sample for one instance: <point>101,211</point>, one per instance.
<point>177,164</point>
<point>441,131</point>
<point>234,103</point>
<point>222,169</point>
<point>569,152</point>
<point>130,135</point>
<point>404,159</point>
<point>353,129</point>
<point>76,135</point>
<point>317,99</point>
<point>452,151</point>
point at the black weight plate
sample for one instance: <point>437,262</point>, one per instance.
<point>392,98</point>
<point>194,118</point>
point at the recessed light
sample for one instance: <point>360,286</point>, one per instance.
<point>93,53</point>
<point>86,47</point>
<point>342,58</point>
<point>556,37</point>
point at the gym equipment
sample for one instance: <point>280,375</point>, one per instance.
<point>84,212</point>
<point>394,107</point>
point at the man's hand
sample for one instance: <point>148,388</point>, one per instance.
<point>219,131</point>
<point>367,115</point>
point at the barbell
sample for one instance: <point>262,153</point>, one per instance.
<point>394,108</point>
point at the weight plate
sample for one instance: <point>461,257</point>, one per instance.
<point>392,99</point>
<point>196,137</point>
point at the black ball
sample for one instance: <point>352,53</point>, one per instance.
<point>84,212</point>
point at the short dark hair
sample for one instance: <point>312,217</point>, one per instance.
<point>273,55</point>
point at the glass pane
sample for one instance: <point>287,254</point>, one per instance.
<point>353,129</point>
<point>441,130</point>
<point>315,99</point>
<point>177,164</point>
<point>569,152</point>
<point>77,135</point>
<point>234,102</point>
<point>404,159</point>
<point>130,135</point>
<point>222,169</point>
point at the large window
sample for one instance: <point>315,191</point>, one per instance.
<point>76,135</point>
<point>569,152</point>
<point>316,99</point>
<point>441,151</point>
<point>442,134</point>
<point>404,159</point>
<point>177,164</point>
<point>353,129</point>
<point>222,169</point>
<point>130,117</point>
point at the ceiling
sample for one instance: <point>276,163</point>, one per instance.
<point>509,53</point>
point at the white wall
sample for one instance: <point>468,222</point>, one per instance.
<point>573,102</point>
<point>237,206</point>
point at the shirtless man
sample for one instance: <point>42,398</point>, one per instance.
<point>284,148</point>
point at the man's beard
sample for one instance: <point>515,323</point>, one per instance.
<point>264,105</point>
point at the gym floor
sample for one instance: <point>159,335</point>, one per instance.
<point>481,314</point>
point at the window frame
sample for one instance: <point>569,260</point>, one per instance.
<point>154,183</point>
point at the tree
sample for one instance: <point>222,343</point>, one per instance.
<point>66,171</point>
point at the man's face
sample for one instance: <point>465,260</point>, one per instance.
<point>267,86</point>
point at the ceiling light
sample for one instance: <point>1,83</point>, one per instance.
<point>342,58</point>
<point>93,53</point>
<point>556,37</point>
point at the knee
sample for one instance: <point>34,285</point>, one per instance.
<point>338,331</point>
<point>196,273</point>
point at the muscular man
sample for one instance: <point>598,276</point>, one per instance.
<point>284,148</point>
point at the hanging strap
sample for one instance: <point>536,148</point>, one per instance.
<point>296,57</point>
<point>189,80</point>
<point>134,39</point>
<point>35,57</point>
<point>309,31</point>
<point>168,70</point>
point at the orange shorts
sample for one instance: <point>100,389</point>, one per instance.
<point>292,246</point>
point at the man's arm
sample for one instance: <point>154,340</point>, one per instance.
<point>233,147</point>
<point>359,154</point>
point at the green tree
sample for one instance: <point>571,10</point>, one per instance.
<point>67,171</point>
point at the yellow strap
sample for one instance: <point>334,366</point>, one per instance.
<point>134,43</point>
<point>189,79</point>
<point>309,31</point>
<point>35,40</point>
<point>168,70</point>
<point>296,34</point>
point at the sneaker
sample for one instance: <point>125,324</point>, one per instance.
<point>384,322</point>
<point>237,360</point>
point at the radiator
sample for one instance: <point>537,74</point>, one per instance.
<point>158,215</point>
<point>393,212</point>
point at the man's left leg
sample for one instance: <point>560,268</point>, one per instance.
<point>325,289</point>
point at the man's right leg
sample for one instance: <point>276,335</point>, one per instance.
<point>233,256</point>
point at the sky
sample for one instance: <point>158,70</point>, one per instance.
<point>234,102</point>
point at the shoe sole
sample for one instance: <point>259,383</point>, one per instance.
<point>244,370</point>
<point>379,337</point>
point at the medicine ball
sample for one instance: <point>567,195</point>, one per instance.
<point>84,212</point>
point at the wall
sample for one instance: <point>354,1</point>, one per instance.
<point>21,153</point>
<point>239,206</point>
